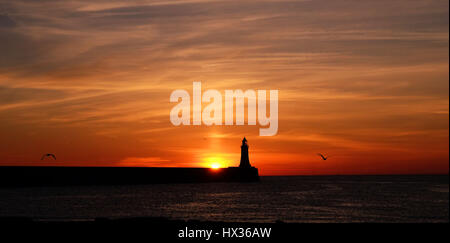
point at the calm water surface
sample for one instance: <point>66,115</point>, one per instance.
<point>289,199</point>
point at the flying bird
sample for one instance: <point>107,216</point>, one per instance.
<point>323,157</point>
<point>48,155</point>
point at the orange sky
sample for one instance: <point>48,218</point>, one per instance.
<point>365,82</point>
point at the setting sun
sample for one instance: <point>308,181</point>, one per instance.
<point>215,162</point>
<point>215,166</point>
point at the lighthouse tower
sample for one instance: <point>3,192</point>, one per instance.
<point>245,162</point>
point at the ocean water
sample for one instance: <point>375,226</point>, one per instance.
<point>288,199</point>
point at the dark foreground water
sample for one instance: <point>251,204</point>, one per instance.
<point>289,199</point>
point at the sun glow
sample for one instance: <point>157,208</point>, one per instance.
<point>215,162</point>
<point>215,166</point>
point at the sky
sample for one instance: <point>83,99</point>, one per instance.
<point>365,82</point>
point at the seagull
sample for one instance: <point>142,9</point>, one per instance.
<point>323,157</point>
<point>48,155</point>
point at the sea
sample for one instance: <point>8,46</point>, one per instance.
<point>299,199</point>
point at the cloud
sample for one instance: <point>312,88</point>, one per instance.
<point>6,22</point>
<point>144,161</point>
<point>9,95</point>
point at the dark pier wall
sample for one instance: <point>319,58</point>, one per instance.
<point>54,175</point>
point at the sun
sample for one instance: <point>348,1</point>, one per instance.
<point>215,166</point>
<point>214,162</point>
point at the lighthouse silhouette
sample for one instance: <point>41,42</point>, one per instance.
<point>245,162</point>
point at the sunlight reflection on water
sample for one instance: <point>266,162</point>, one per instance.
<point>289,199</point>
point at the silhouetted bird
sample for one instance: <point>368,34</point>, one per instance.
<point>48,155</point>
<point>323,157</point>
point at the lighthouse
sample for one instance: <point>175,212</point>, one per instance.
<point>245,162</point>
